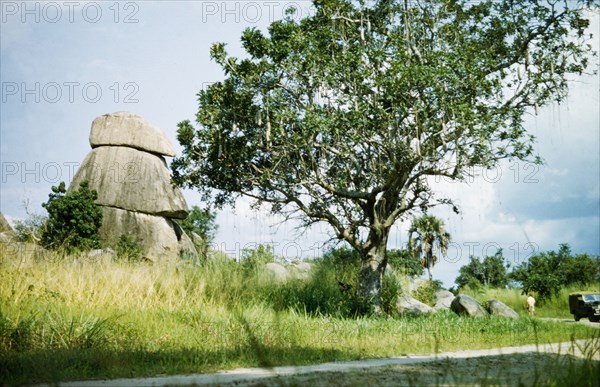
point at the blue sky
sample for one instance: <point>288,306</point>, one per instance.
<point>64,63</point>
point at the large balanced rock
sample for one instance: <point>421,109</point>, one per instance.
<point>411,306</point>
<point>467,305</point>
<point>130,130</point>
<point>127,169</point>
<point>443,300</point>
<point>156,235</point>
<point>133,180</point>
<point>498,308</point>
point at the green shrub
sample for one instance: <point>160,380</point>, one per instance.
<point>319,295</point>
<point>331,288</point>
<point>253,259</point>
<point>391,289</point>
<point>128,248</point>
<point>73,219</point>
<point>426,292</point>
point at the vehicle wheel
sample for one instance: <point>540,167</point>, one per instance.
<point>577,317</point>
<point>594,318</point>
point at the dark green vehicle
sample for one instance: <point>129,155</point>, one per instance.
<point>585,304</point>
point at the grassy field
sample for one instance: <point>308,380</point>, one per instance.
<point>69,318</point>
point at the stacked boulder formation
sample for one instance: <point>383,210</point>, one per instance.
<point>127,168</point>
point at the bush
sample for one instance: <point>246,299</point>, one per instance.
<point>73,219</point>
<point>390,292</point>
<point>489,272</point>
<point>320,295</point>
<point>202,223</point>
<point>331,288</point>
<point>405,263</point>
<point>128,248</point>
<point>426,292</point>
<point>253,259</point>
<point>31,229</point>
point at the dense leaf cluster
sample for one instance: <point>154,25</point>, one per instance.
<point>201,222</point>
<point>546,273</point>
<point>73,219</point>
<point>491,271</point>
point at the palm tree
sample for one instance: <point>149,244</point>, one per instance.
<point>426,235</point>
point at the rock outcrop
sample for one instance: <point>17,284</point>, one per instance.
<point>443,300</point>
<point>7,234</point>
<point>129,130</point>
<point>127,168</point>
<point>277,270</point>
<point>498,308</point>
<point>467,305</point>
<point>412,306</point>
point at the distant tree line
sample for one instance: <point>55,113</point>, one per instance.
<point>544,273</point>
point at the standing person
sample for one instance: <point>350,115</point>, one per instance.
<point>530,304</point>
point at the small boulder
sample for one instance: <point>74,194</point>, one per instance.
<point>301,270</point>
<point>467,305</point>
<point>279,272</point>
<point>443,300</point>
<point>411,306</point>
<point>131,130</point>
<point>498,308</point>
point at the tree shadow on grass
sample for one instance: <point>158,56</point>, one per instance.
<point>59,365</point>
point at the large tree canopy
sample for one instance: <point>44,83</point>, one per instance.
<point>343,116</point>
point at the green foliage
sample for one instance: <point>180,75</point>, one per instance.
<point>202,222</point>
<point>491,272</point>
<point>391,289</point>
<point>320,295</point>
<point>546,273</point>
<point>31,229</point>
<point>254,259</point>
<point>128,248</point>
<point>341,117</point>
<point>426,292</point>
<point>73,219</point>
<point>404,262</point>
<point>426,237</point>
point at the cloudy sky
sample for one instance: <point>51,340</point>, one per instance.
<point>65,63</point>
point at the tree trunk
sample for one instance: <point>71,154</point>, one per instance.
<point>374,262</point>
<point>430,265</point>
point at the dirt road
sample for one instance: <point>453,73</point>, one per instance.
<point>527,365</point>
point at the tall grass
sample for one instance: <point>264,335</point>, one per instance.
<point>68,317</point>
<point>556,306</point>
